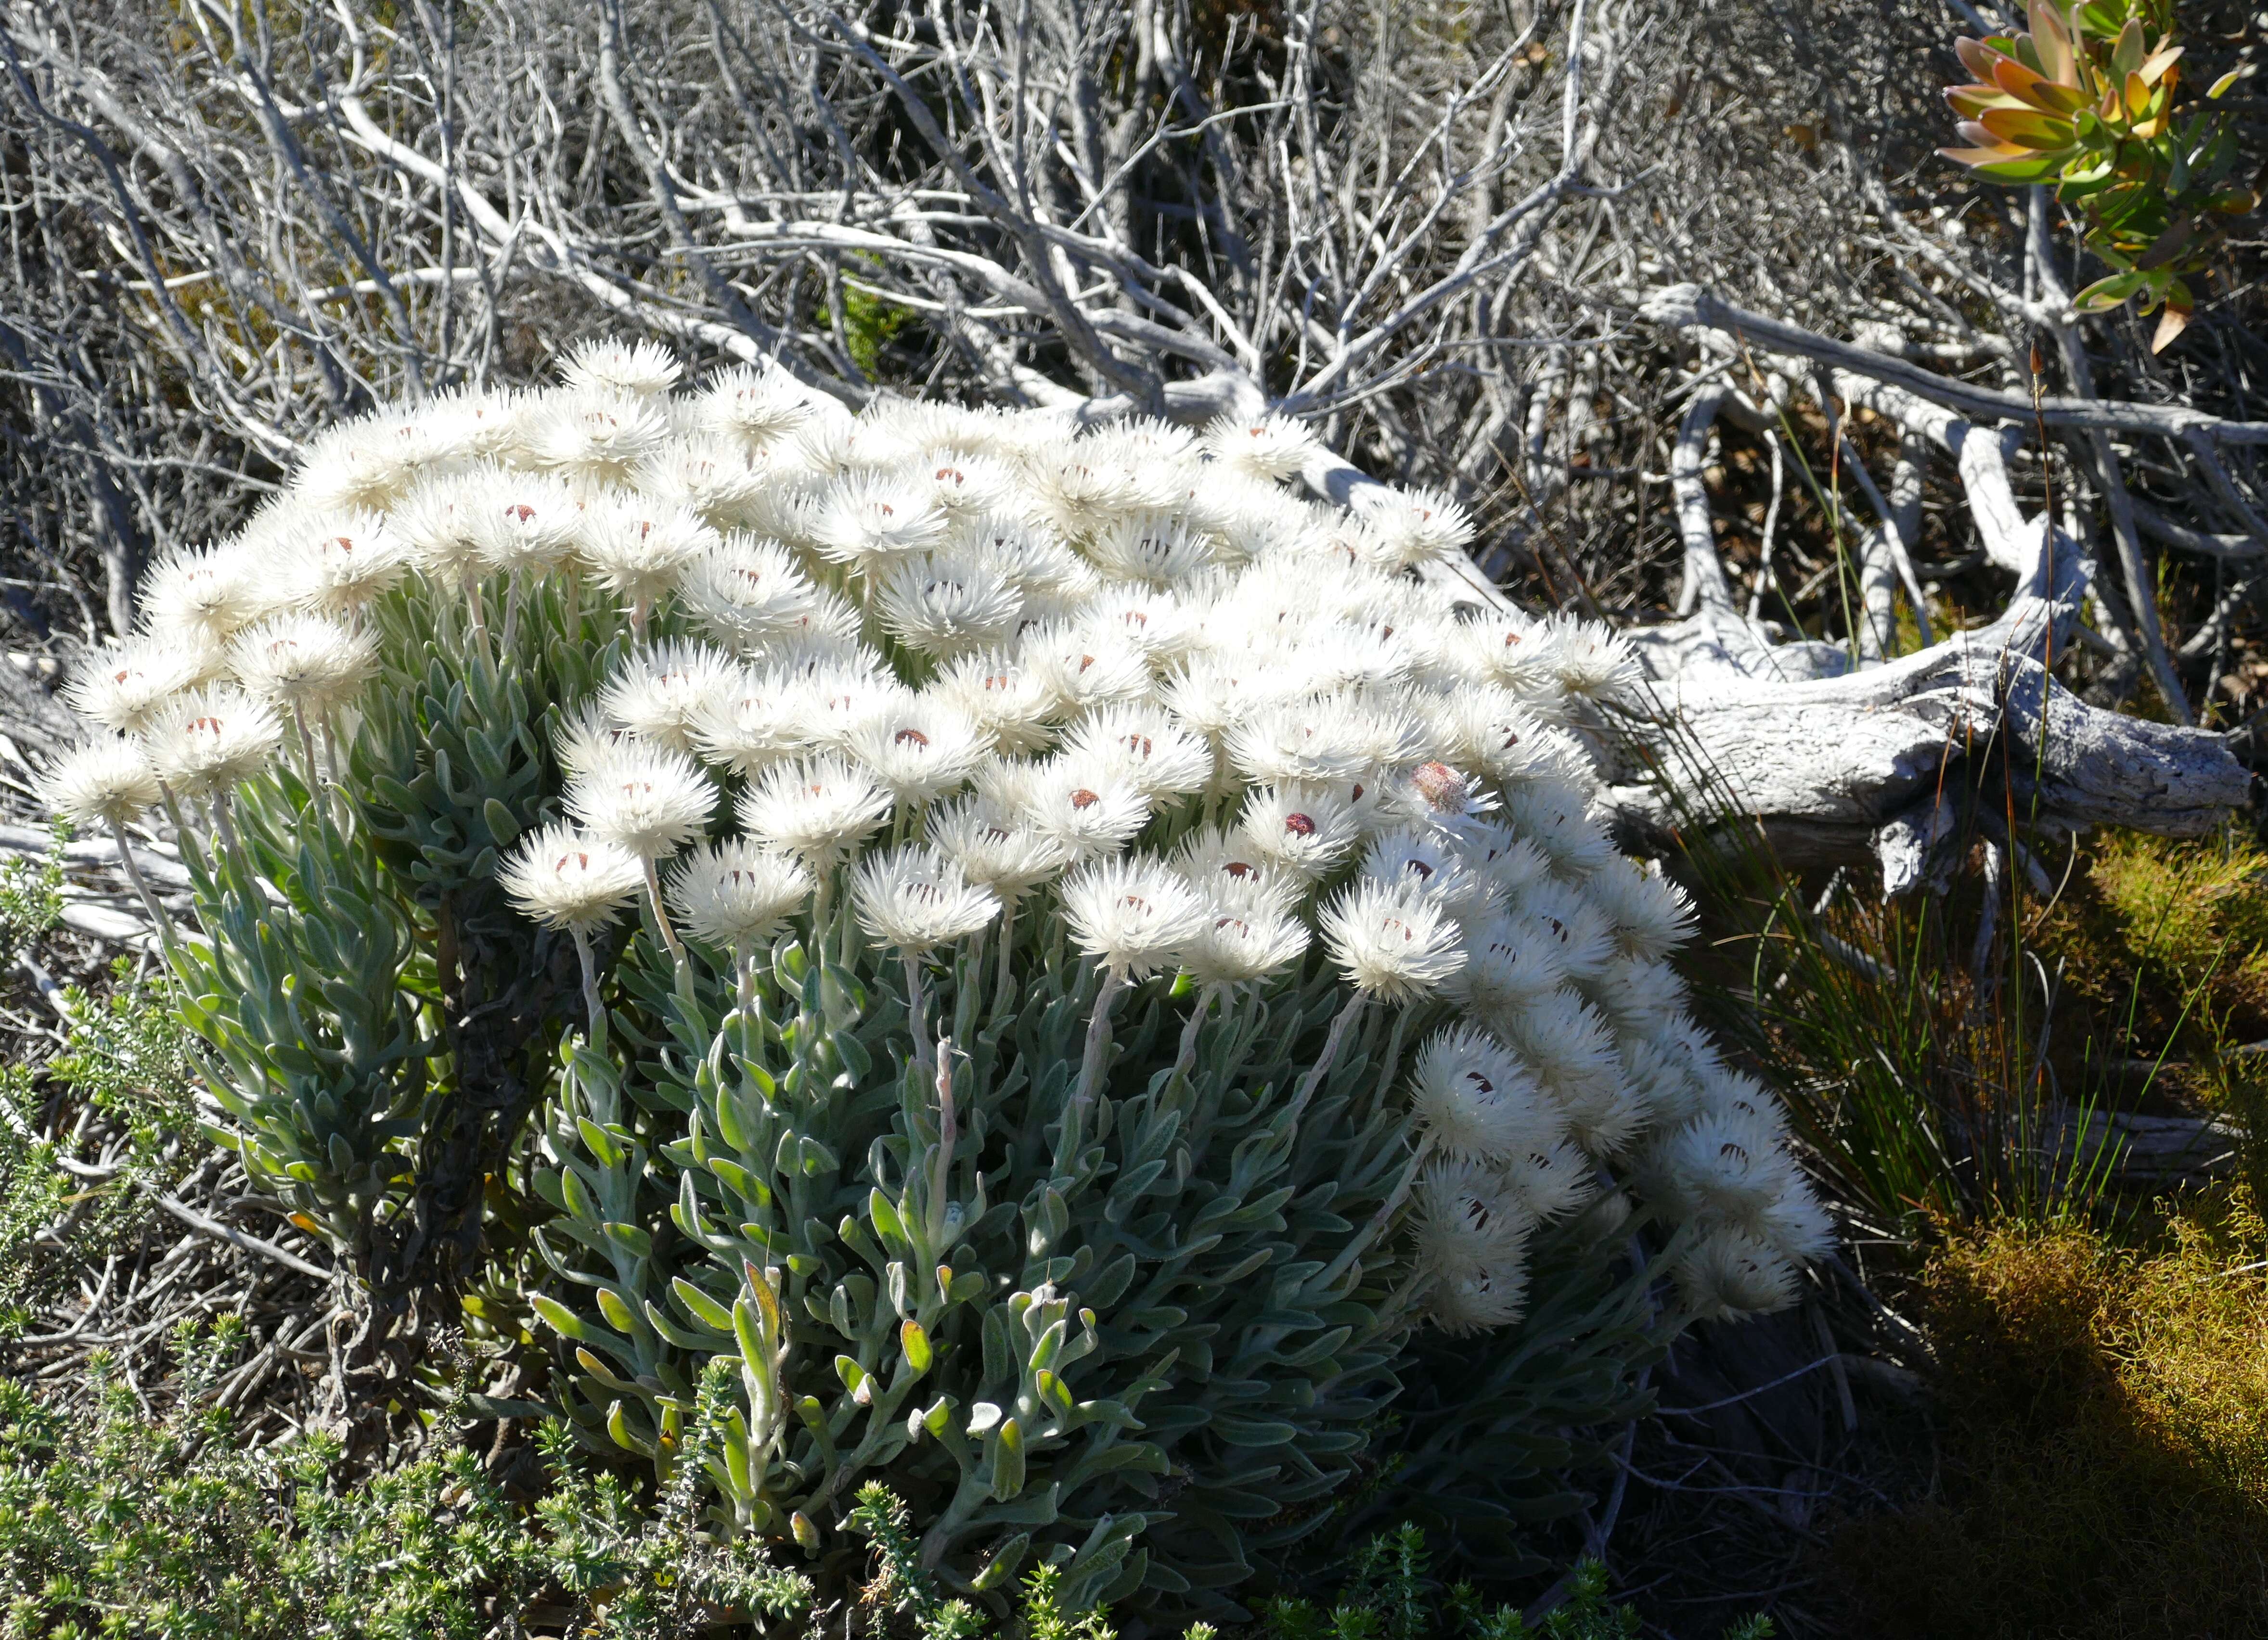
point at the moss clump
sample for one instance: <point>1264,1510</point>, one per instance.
<point>2102,1447</point>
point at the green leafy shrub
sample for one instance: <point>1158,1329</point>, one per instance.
<point>1163,980</point>
<point>2084,101</point>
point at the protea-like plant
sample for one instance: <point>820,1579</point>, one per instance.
<point>2086,100</point>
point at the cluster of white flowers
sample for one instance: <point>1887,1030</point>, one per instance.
<point>943,659</point>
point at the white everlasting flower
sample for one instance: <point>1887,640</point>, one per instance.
<point>750,722</point>
<point>1512,862</point>
<point>304,663</point>
<point>995,847</point>
<point>1482,1301</point>
<point>569,880</point>
<point>1729,1274</point>
<point>1590,660</point>
<point>1010,702</point>
<point>126,683</point>
<point>210,739</point>
<point>746,591</point>
<point>1083,667</point>
<point>1513,962</point>
<point>1511,651</point>
<point>945,604</point>
<point>1247,933</point>
<point>869,519</point>
<point>736,894</point>
<point>1303,831</point>
<point>366,464</point>
<point>668,693</point>
<point>1664,1086</point>
<point>1149,621</point>
<point>823,638</point>
<point>708,477</point>
<point>1557,816</point>
<point>1488,729</point>
<point>523,520</point>
<point>638,549</point>
<point>649,799</point>
<point>444,523</point>
<point>1466,1224</point>
<point>1652,916</point>
<point>839,700</point>
<point>1152,549</point>
<point>335,563</point>
<point>478,424</point>
<point>1083,806</point>
<point>967,485</point>
<point>817,809</point>
<point>914,899</point>
<point>1550,1181</point>
<point>1582,938</point>
<point>1571,1050</point>
<point>596,434</point>
<point>1272,447</point>
<point>588,738</point>
<point>1405,529</point>
<point>921,748</point>
<point>1224,865</point>
<point>1630,991</point>
<point>1032,559</point>
<point>1392,944</point>
<point>631,368</point>
<point>107,780</point>
<point>1134,916</point>
<point>1322,738</point>
<point>1144,746</point>
<point>208,594</point>
<point>752,406</point>
<point>1426,858</point>
<point>1478,1101</point>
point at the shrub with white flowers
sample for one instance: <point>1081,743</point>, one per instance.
<point>1062,959</point>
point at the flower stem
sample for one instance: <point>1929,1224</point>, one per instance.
<point>1097,1041</point>
<point>1330,1055</point>
<point>917,1014</point>
<point>593,1015</point>
<point>1006,990</point>
<point>1200,1011</point>
<point>159,915</point>
<point>661,915</point>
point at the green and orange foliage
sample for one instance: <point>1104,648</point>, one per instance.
<point>2086,101</point>
<point>2101,1440</point>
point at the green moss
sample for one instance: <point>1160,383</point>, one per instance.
<point>2101,1462</point>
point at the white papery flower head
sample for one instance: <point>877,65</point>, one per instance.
<point>667,694</point>
<point>736,894</point>
<point>710,477</point>
<point>1227,868</point>
<point>1557,818</point>
<point>596,434</point>
<point>1512,962</point>
<point>1588,660</point>
<point>366,464</point>
<point>968,485</point>
<point>1580,937</point>
<point>1571,1050</point>
<point>1270,447</point>
<point>1511,651</point>
<point>567,878</point>
<point>868,519</point>
<point>638,548</point>
<point>1083,667</point>
<point>335,563</point>
<point>1151,549</point>
<point>1652,916</point>
<point>479,424</point>
<point>1029,557</point>
<point>1466,1224</point>
<point>107,780</point>
<point>208,593</point>
<point>913,899</point>
<point>1245,934</point>
<point>1488,729</point>
<point>1427,858</point>
<point>945,604</point>
<point>1012,704</point>
<point>303,663</point>
<point>443,522</point>
<point>920,747</point>
<point>126,682</point>
<point>526,521</point>
<point>631,368</point>
<point>746,591</point>
<point>1392,944</point>
<point>1303,831</point>
<point>651,800</point>
<point>995,845</point>
<point>1320,737</point>
<point>752,406</point>
<point>1084,806</point>
<point>1478,1101</point>
<point>1512,862</point>
<point>1402,529</point>
<point>211,740</point>
<point>753,721</point>
<point>1729,1274</point>
<point>1134,916</point>
<point>1482,1301</point>
<point>818,809</point>
<point>1145,746</point>
<point>1550,1181</point>
<point>839,698</point>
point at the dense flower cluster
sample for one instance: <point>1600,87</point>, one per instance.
<point>947,668</point>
